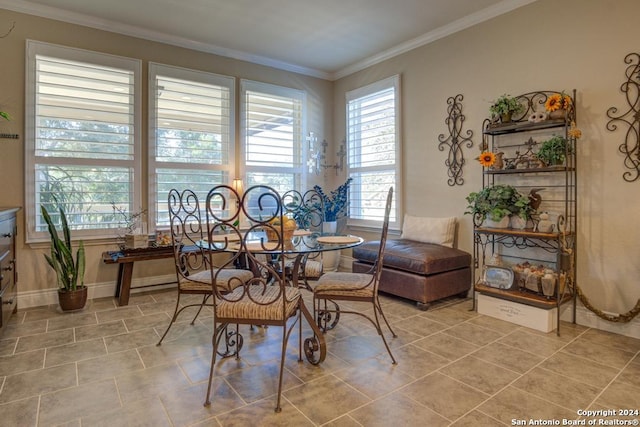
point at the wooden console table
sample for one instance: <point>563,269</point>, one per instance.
<point>125,260</point>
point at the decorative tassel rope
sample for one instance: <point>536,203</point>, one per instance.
<point>620,317</point>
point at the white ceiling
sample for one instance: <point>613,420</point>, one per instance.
<point>322,38</point>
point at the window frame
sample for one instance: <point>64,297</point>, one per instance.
<point>299,171</point>
<point>170,71</point>
<point>33,50</point>
<point>392,82</point>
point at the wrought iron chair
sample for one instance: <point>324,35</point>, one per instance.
<point>268,298</point>
<point>307,210</point>
<point>360,287</point>
<point>192,263</point>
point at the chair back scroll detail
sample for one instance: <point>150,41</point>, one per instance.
<point>306,209</point>
<point>263,209</point>
<point>186,230</point>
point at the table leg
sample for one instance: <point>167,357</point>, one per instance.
<point>123,286</point>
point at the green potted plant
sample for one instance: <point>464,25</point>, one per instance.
<point>493,205</point>
<point>553,151</point>
<point>5,115</point>
<point>505,107</point>
<point>72,293</point>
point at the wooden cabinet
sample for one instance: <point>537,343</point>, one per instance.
<point>547,242</point>
<point>8,273</point>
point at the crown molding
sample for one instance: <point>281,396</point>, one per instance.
<point>23,6</point>
<point>444,31</point>
<point>48,12</point>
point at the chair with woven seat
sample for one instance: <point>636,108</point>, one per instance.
<point>354,287</point>
<point>192,264</point>
<point>268,298</point>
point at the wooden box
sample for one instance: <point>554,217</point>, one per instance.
<point>135,241</point>
<point>544,320</point>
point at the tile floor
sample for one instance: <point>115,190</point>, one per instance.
<point>455,367</point>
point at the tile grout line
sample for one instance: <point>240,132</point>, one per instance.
<point>527,372</point>
<point>613,379</point>
<point>520,375</point>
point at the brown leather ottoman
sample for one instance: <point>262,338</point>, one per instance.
<point>422,272</point>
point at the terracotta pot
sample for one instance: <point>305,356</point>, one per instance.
<point>72,300</point>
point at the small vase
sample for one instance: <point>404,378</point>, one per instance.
<point>548,285</point>
<point>506,117</point>
<point>503,223</point>
<point>329,227</point>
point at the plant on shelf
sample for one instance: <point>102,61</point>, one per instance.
<point>497,202</point>
<point>505,107</point>
<point>72,293</point>
<point>554,150</point>
<point>335,204</point>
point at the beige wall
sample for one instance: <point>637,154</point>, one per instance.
<point>549,44</point>
<point>34,275</point>
<point>546,45</point>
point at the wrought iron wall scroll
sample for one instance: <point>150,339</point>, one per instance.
<point>631,118</point>
<point>454,141</point>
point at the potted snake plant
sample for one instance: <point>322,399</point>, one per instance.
<point>72,293</point>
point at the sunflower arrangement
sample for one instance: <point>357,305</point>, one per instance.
<point>487,158</point>
<point>558,101</point>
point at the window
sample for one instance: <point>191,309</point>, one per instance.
<point>82,138</point>
<point>191,134</point>
<point>272,132</point>
<point>373,150</point>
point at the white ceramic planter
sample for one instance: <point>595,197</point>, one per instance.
<point>503,223</point>
<point>329,227</point>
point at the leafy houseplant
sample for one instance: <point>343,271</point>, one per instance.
<point>504,107</point>
<point>335,204</point>
<point>5,115</point>
<point>554,150</point>
<point>497,201</point>
<point>72,293</point>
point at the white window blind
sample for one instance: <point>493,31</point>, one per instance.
<point>272,130</point>
<point>192,133</point>
<point>373,153</point>
<point>83,144</point>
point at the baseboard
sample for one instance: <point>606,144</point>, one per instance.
<point>586,317</point>
<point>39,298</point>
